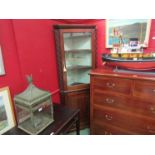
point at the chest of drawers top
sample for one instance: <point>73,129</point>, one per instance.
<point>111,73</point>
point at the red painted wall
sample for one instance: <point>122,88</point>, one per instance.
<point>36,50</point>
<point>28,48</point>
<point>10,56</point>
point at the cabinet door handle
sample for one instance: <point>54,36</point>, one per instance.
<point>109,100</point>
<point>64,69</point>
<point>152,109</point>
<point>108,117</point>
<point>153,90</point>
<point>110,85</point>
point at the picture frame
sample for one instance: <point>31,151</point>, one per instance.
<point>129,28</point>
<point>7,117</point>
<point>2,70</point>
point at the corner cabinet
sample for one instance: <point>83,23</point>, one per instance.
<point>76,56</point>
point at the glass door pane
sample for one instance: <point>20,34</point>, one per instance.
<point>78,57</point>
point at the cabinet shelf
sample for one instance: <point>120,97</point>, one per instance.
<point>78,50</point>
<point>76,83</point>
<point>78,67</point>
<point>77,35</point>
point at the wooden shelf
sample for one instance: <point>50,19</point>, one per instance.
<point>78,67</point>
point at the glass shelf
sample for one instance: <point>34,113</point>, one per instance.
<point>78,50</point>
<point>78,67</point>
<point>76,83</point>
<point>76,35</point>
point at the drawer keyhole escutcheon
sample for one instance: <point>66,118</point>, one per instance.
<point>152,109</point>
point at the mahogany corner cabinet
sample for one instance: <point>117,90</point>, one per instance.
<point>76,56</point>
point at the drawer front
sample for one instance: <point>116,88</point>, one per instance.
<point>145,90</point>
<point>110,100</point>
<point>107,129</point>
<point>137,124</point>
<point>125,103</point>
<point>112,84</point>
<point>111,116</point>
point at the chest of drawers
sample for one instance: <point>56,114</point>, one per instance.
<point>122,103</point>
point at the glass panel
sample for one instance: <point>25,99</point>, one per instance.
<point>34,120</point>
<point>78,57</point>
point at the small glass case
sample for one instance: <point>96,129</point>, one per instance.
<point>34,109</point>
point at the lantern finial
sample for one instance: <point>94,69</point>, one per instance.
<point>29,79</point>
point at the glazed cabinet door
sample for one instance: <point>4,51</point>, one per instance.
<point>77,53</point>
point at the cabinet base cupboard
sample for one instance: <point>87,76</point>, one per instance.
<point>76,56</point>
<point>122,103</point>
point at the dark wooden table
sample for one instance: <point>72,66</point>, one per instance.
<point>64,119</point>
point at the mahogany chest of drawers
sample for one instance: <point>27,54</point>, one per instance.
<point>122,103</point>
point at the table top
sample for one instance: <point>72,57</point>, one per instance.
<point>62,115</point>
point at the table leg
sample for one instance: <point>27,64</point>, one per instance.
<point>78,124</point>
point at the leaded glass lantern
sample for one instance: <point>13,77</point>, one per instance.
<point>34,109</point>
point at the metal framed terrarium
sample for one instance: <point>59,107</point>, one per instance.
<point>34,109</point>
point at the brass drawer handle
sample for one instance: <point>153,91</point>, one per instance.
<point>110,85</point>
<point>108,117</point>
<point>150,130</point>
<point>152,109</point>
<point>107,133</point>
<point>109,100</point>
<point>153,90</point>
